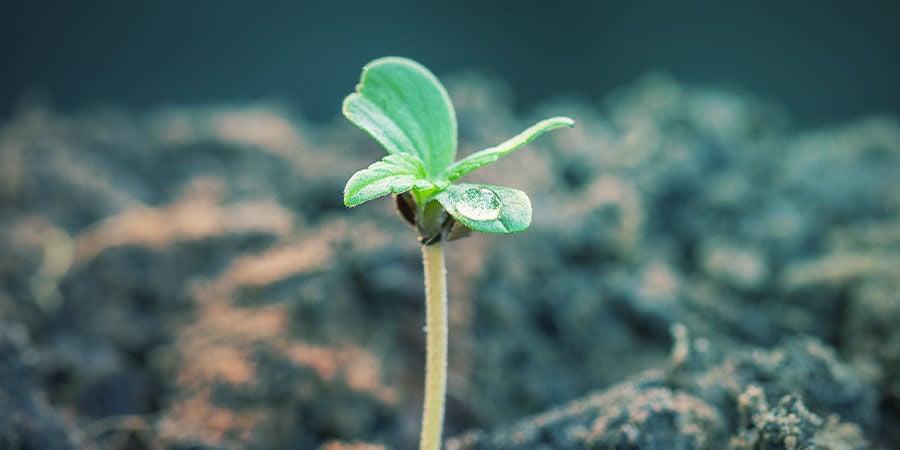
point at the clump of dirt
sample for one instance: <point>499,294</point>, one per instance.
<point>188,278</point>
<point>28,421</point>
<point>693,404</point>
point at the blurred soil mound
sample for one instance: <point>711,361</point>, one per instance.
<point>188,278</point>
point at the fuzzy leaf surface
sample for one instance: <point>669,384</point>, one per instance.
<point>404,107</point>
<point>394,174</point>
<point>487,208</point>
<point>489,155</point>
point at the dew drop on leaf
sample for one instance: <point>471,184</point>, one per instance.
<point>479,203</point>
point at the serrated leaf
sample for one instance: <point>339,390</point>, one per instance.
<point>487,208</point>
<point>394,174</point>
<point>489,155</point>
<point>405,108</point>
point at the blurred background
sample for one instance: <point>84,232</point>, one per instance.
<point>825,61</point>
<point>177,269</point>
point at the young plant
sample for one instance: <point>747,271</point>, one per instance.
<point>406,109</point>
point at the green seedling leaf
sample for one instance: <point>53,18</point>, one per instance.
<point>405,108</point>
<point>487,208</point>
<point>394,174</point>
<point>489,155</point>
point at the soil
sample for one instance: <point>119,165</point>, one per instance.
<point>699,275</point>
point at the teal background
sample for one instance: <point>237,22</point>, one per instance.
<point>826,61</point>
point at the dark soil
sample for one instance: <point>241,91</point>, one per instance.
<point>699,275</point>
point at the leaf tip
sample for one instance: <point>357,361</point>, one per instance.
<point>561,121</point>
<point>350,200</point>
<point>348,100</point>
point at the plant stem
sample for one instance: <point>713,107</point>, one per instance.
<point>436,350</point>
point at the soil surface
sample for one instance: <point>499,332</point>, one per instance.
<point>699,275</point>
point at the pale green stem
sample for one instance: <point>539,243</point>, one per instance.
<point>436,350</point>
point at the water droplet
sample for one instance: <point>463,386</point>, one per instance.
<point>478,203</point>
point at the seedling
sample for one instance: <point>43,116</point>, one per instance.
<point>405,108</point>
